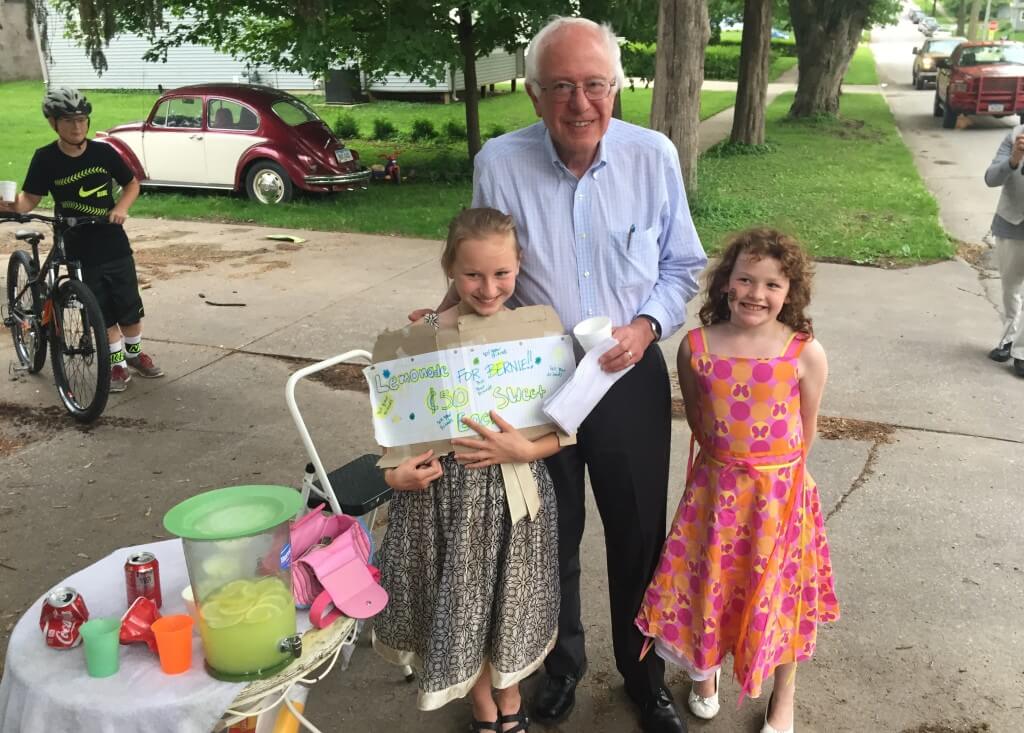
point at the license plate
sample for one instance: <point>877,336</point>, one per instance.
<point>995,108</point>
<point>343,155</point>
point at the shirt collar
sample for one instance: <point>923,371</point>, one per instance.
<point>600,160</point>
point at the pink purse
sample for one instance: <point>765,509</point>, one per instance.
<point>331,575</point>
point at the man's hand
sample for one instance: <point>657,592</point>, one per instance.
<point>1017,154</point>
<point>116,215</point>
<point>415,473</point>
<point>450,298</point>
<point>633,342</point>
<point>492,448</point>
<point>420,313</point>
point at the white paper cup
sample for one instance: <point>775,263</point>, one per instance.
<point>8,191</point>
<point>593,331</point>
<point>190,606</point>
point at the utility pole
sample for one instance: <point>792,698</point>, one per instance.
<point>972,29</point>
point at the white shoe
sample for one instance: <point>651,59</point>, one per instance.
<point>767,728</point>
<point>705,707</point>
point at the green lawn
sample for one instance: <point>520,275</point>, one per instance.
<point>862,67</point>
<point>847,188</point>
<point>421,208</point>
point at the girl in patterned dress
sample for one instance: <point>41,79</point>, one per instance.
<point>745,569</point>
<point>473,598</point>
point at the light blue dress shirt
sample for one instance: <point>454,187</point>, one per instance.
<point>617,242</point>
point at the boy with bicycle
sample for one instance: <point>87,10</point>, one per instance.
<point>79,174</point>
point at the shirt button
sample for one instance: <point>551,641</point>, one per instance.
<point>583,236</point>
<point>590,312</point>
<point>586,274</point>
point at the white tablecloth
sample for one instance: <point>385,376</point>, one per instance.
<point>45,690</point>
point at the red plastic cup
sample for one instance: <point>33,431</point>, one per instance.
<point>174,642</point>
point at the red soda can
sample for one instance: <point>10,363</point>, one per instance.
<point>63,612</point>
<point>142,577</point>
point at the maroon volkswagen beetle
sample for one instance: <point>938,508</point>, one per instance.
<point>235,136</point>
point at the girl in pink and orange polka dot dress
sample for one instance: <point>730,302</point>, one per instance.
<point>745,569</point>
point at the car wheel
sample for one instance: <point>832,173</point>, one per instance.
<point>936,107</point>
<point>267,183</point>
<point>1022,118</point>
<point>918,82</point>
<point>948,117</point>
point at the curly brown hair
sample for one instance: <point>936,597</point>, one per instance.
<point>760,243</point>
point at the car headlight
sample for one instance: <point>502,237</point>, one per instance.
<point>927,63</point>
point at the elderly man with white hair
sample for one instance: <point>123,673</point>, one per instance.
<point>605,229</point>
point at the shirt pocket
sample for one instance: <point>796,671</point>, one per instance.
<point>636,255</point>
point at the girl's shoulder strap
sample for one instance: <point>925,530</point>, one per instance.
<point>796,343</point>
<point>698,343</point>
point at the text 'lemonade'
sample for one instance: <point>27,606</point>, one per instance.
<point>243,622</point>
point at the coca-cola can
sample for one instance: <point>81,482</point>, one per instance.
<point>63,612</point>
<point>142,577</point>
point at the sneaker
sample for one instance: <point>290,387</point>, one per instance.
<point>143,364</point>
<point>119,378</point>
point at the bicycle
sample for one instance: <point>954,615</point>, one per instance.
<point>47,307</point>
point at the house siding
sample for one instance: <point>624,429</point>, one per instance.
<point>188,64</point>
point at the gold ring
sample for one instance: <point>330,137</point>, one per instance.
<point>629,355</point>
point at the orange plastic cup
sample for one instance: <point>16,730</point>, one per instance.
<point>174,642</point>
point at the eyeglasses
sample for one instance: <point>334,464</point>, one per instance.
<point>593,89</point>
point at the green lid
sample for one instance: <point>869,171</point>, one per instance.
<point>237,511</point>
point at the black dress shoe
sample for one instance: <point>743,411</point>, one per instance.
<point>1000,353</point>
<point>1018,367</point>
<point>659,715</point>
<point>555,699</point>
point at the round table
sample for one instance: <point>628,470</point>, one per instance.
<point>45,689</point>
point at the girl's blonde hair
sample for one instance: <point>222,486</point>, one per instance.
<point>476,224</point>
<point>761,243</point>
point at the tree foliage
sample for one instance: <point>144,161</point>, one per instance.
<point>420,38</point>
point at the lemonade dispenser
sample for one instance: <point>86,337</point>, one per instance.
<point>236,545</point>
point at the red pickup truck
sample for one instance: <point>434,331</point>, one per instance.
<point>981,78</point>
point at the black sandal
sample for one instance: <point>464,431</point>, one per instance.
<point>479,725</point>
<point>520,718</point>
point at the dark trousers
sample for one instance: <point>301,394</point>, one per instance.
<point>624,443</point>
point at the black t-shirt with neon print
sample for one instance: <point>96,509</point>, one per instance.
<point>82,186</point>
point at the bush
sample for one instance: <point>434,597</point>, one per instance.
<point>346,127</point>
<point>722,62</point>
<point>638,60</point>
<point>383,130</point>
<point>423,129</point>
<point>454,130</point>
<point>495,131</point>
<point>447,167</point>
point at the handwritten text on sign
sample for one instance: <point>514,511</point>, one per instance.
<point>423,398</point>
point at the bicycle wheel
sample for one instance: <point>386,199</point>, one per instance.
<point>79,352</point>
<point>25,312</point>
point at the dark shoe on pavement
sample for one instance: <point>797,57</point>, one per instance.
<point>144,366</point>
<point>554,699</point>
<point>659,715</point>
<point>1018,367</point>
<point>1000,353</point>
<point>119,378</point>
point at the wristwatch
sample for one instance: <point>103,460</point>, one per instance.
<point>655,326</point>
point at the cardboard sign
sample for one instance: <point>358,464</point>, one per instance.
<point>424,398</point>
<point>513,332</point>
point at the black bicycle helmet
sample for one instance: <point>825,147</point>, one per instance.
<point>65,102</point>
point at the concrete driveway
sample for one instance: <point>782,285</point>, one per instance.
<point>920,463</point>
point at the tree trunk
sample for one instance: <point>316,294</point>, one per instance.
<point>961,17</point>
<point>752,89</point>
<point>471,98</point>
<point>827,34</point>
<point>683,33</point>
<point>972,29</point>
<point>617,105</point>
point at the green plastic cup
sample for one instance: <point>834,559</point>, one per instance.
<point>102,644</point>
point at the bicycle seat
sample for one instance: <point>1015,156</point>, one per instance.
<point>29,235</point>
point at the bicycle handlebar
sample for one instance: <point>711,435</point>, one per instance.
<point>68,221</point>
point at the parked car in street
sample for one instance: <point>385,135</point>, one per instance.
<point>980,78</point>
<point>928,25</point>
<point>915,15</point>
<point>237,137</point>
<point>926,59</point>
